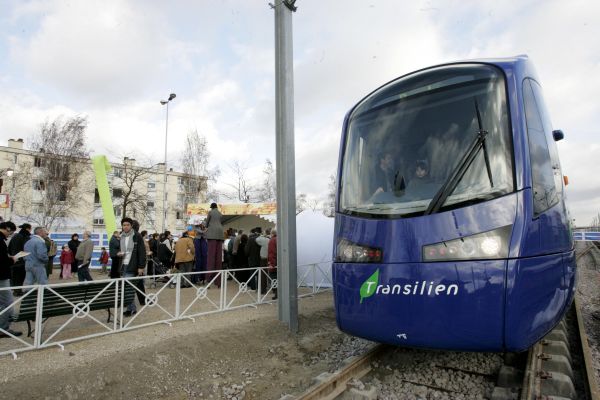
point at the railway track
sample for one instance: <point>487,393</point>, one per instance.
<point>557,367</point>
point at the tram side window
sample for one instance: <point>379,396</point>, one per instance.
<point>544,187</point>
<point>541,106</point>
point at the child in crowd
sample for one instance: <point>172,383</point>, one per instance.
<point>104,260</point>
<point>66,259</point>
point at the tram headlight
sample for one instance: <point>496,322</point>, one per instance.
<point>351,252</point>
<point>488,245</point>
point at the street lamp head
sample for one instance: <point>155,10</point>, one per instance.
<point>163,102</point>
<point>172,96</point>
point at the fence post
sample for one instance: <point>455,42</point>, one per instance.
<point>222,290</point>
<point>120,311</point>
<point>259,283</point>
<point>314,276</point>
<point>177,295</point>
<point>39,316</point>
<point>116,283</point>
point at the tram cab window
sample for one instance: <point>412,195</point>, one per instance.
<point>545,167</point>
<point>427,121</point>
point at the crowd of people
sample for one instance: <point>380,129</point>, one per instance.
<point>27,257</point>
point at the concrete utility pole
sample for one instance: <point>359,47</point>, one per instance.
<point>286,181</point>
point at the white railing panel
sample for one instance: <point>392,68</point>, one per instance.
<point>166,298</point>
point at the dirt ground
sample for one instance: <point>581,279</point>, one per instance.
<point>245,353</point>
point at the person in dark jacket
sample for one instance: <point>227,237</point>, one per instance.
<point>17,244</point>
<point>73,245</point>
<point>241,260</point>
<point>114,246</point>
<point>252,250</point>
<point>201,251</point>
<point>133,253</point>
<point>165,250</point>
<point>6,298</point>
<point>153,243</point>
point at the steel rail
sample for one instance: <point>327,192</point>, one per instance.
<point>592,385</point>
<point>333,385</point>
<point>532,381</point>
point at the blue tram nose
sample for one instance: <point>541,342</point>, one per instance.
<point>441,305</point>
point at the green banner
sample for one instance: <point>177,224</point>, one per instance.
<point>102,168</point>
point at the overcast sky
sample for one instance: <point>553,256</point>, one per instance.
<point>114,60</point>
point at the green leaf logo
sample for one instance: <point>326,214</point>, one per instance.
<point>369,286</point>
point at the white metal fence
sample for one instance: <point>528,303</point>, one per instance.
<point>83,307</point>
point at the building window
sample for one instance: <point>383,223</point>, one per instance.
<point>98,221</point>
<point>179,215</point>
<point>96,196</point>
<point>118,210</point>
<point>180,180</point>
<point>150,204</point>
<point>118,172</point>
<point>117,193</point>
<point>37,162</point>
<point>151,185</point>
<point>39,184</point>
<point>180,200</point>
<point>62,193</point>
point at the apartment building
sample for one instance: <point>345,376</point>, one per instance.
<point>61,193</point>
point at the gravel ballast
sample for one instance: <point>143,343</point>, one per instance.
<point>240,354</point>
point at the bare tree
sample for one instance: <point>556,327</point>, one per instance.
<point>313,204</point>
<point>329,209</point>
<point>243,189</point>
<point>57,171</point>
<point>595,225</point>
<point>132,190</point>
<point>195,164</point>
<point>301,203</point>
<point>268,188</point>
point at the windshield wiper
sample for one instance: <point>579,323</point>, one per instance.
<point>462,167</point>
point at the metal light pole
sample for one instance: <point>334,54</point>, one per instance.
<point>286,181</point>
<point>164,202</point>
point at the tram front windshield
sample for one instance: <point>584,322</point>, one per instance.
<point>405,141</point>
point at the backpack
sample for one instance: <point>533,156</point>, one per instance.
<point>52,251</point>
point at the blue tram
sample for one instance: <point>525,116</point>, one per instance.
<point>451,229</point>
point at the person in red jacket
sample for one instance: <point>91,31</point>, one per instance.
<point>66,259</point>
<point>272,259</point>
<point>104,260</point>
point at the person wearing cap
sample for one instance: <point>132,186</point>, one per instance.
<point>133,253</point>
<point>215,238</point>
<point>17,244</point>
<point>6,297</point>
